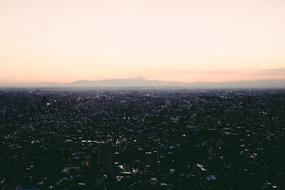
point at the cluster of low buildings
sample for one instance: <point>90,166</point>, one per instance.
<point>142,139</point>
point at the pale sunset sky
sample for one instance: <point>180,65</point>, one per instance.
<point>170,40</point>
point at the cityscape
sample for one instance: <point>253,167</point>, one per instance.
<point>142,95</point>
<point>142,139</point>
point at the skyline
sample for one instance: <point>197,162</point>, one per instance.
<point>187,41</point>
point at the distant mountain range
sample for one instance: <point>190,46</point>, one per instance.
<point>133,82</point>
<point>140,82</point>
<point>241,84</point>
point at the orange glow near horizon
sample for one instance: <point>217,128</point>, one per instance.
<point>171,40</point>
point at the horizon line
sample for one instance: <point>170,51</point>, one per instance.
<point>187,84</point>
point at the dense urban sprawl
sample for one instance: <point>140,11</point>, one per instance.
<point>142,139</point>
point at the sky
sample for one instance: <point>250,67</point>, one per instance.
<point>169,40</point>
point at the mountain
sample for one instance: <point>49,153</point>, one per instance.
<point>242,84</point>
<point>133,82</point>
<point>140,82</point>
